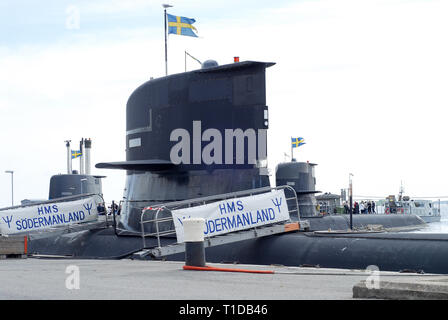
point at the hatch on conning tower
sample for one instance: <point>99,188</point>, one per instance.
<point>209,64</point>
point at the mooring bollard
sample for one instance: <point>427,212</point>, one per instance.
<point>194,242</point>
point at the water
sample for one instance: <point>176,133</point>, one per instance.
<point>438,227</point>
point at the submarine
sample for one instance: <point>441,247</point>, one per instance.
<point>74,198</point>
<point>203,133</point>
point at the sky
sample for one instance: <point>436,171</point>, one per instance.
<point>363,82</point>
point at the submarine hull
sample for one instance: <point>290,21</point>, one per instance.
<point>388,251</point>
<point>342,221</point>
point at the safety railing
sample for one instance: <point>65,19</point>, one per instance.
<point>156,209</point>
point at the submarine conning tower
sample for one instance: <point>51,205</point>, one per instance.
<point>194,134</point>
<point>301,177</point>
<point>74,183</point>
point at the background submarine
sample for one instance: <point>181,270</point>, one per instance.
<point>233,97</point>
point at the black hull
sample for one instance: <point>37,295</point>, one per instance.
<point>387,251</point>
<point>342,222</point>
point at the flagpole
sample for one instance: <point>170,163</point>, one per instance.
<point>166,54</point>
<point>292,149</point>
<point>166,50</point>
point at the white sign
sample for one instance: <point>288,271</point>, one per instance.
<point>46,215</point>
<point>235,214</point>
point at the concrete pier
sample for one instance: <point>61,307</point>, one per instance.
<point>404,289</point>
<point>69,279</point>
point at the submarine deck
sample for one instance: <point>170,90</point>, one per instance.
<point>36,279</point>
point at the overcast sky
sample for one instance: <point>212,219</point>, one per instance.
<point>364,82</point>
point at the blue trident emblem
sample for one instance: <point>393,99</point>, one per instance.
<point>277,203</point>
<point>88,207</point>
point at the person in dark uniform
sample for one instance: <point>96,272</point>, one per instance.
<point>115,208</point>
<point>346,208</point>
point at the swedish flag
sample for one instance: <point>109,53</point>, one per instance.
<point>297,142</point>
<point>181,25</point>
<point>76,154</point>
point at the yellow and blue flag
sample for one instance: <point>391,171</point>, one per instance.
<point>76,154</point>
<point>181,25</point>
<point>297,142</point>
